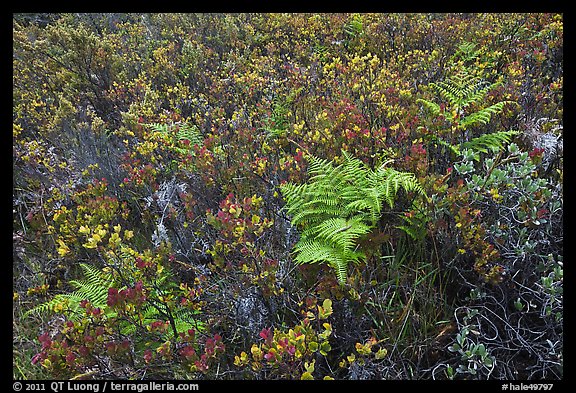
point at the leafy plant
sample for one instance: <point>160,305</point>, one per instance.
<point>338,205</point>
<point>278,122</point>
<point>180,138</point>
<point>292,352</point>
<point>99,289</point>
<point>475,357</point>
<point>354,27</point>
<point>93,288</point>
<point>462,91</point>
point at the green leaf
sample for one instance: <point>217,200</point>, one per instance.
<point>325,348</point>
<point>325,310</point>
<point>313,346</point>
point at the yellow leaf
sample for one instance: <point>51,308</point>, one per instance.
<point>256,352</point>
<point>63,249</point>
<point>381,353</point>
<point>309,366</point>
<point>306,376</point>
<point>325,310</point>
<point>128,234</point>
<point>90,244</point>
<point>114,239</point>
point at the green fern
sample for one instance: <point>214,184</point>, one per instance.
<point>180,137</point>
<point>321,51</point>
<point>483,116</point>
<point>184,320</point>
<point>461,92</point>
<point>489,142</point>
<point>93,288</point>
<point>467,51</point>
<point>354,27</point>
<point>277,123</point>
<point>415,223</point>
<point>178,132</point>
<point>339,205</point>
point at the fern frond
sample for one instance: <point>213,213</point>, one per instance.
<point>313,251</point>
<point>392,180</point>
<point>276,124</point>
<point>93,288</point>
<point>416,223</point>
<point>483,116</point>
<point>367,205</point>
<point>159,127</point>
<point>493,142</point>
<point>458,89</point>
<point>476,93</point>
<point>174,134</point>
<point>467,51</point>
<point>354,27</point>
<point>341,269</point>
<point>439,141</point>
<point>342,232</point>
<point>431,106</point>
<point>185,320</point>
<point>190,133</point>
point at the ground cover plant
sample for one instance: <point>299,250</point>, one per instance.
<point>288,196</point>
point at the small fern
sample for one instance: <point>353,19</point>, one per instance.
<point>177,132</point>
<point>94,288</point>
<point>276,125</point>
<point>354,27</point>
<point>179,137</point>
<point>460,92</point>
<point>467,51</point>
<point>184,320</point>
<point>415,223</point>
<point>321,51</point>
<point>483,116</point>
<point>339,205</point>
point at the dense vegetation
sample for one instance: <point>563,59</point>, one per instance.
<point>287,196</point>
